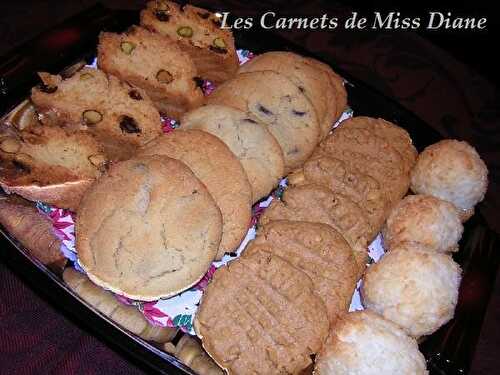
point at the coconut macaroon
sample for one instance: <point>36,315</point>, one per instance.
<point>453,171</point>
<point>425,219</point>
<point>362,342</point>
<point>418,290</point>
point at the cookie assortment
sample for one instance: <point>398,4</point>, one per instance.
<point>154,211</point>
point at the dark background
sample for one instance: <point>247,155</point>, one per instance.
<point>448,78</point>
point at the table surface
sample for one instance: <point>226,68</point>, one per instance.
<point>454,99</point>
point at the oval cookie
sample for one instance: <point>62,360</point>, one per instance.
<point>318,204</point>
<point>254,146</point>
<point>259,315</point>
<point>318,250</point>
<point>359,187</point>
<point>217,167</point>
<point>280,105</point>
<point>295,67</point>
<point>395,135</point>
<point>147,229</point>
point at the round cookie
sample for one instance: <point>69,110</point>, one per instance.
<point>318,250</point>
<point>278,103</point>
<point>295,67</point>
<point>424,219</point>
<point>260,315</point>
<point>147,229</point>
<point>362,342</point>
<point>255,147</point>
<point>398,138</point>
<point>394,182</point>
<point>318,204</point>
<point>453,171</point>
<point>217,167</point>
<point>339,178</point>
<point>417,290</point>
<point>347,137</point>
<point>339,94</point>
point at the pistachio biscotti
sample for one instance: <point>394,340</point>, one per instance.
<point>198,33</point>
<point>154,63</point>
<point>121,117</point>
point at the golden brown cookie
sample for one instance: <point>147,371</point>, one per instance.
<point>260,315</point>
<point>277,102</point>
<point>338,96</point>
<point>318,250</point>
<point>252,143</point>
<point>396,136</point>
<point>295,67</point>
<point>389,174</point>
<point>346,180</point>
<point>318,204</point>
<point>156,64</point>
<point>147,229</point>
<point>221,172</point>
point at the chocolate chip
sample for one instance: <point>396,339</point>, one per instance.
<point>264,110</point>
<point>204,15</point>
<point>218,49</point>
<point>194,191</point>
<point>199,82</point>
<point>250,120</point>
<point>48,89</point>
<point>134,94</point>
<point>162,16</point>
<point>21,167</point>
<point>129,125</point>
<point>298,113</point>
<point>301,89</point>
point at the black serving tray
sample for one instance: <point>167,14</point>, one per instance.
<point>448,351</point>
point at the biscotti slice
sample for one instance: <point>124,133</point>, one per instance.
<point>147,229</point>
<point>128,316</point>
<point>198,33</point>
<point>309,79</point>
<point>260,315</point>
<point>50,165</point>
<point>318,250</point>
<point>219,170</point>
<point>154,63</point>
<point>278,103</point>
<point>120,116</point>
<point>252,143</point>
<point>318,204</point>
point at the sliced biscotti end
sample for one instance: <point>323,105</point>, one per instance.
<point>120,116</point>
<point>278,103</point>
<point>156,64</point>
<point>198,32</point>
<point>249,139</point>
<point>52,165</point>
